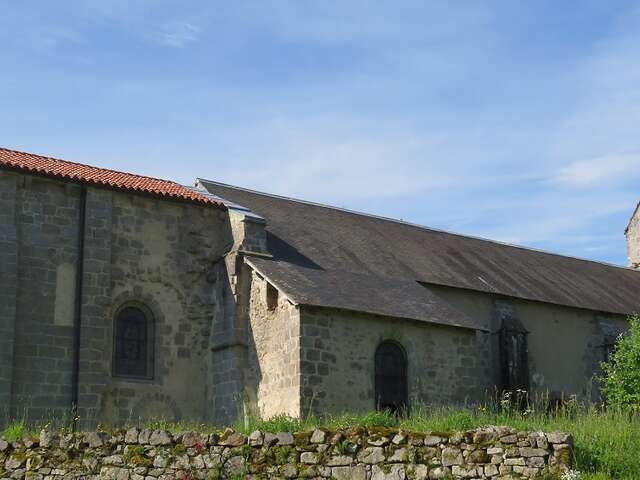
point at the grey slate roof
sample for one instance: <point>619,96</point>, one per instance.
<point>359,292</point>
<point>328,255</point>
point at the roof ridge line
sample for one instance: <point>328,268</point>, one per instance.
<point>415,225</point>
<point>48,157</point>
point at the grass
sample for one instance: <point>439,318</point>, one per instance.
<point>607,441</point>
<point>16,431</point>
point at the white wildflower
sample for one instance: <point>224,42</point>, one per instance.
<point>571,475</point>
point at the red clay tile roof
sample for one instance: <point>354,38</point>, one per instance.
<point>77,172</point>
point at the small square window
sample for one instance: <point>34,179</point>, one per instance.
<point>272,297</point>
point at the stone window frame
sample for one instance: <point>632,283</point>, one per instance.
<point>152,330</point>
<point>405,359</point>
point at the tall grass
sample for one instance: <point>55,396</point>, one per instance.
<point>607,441</point>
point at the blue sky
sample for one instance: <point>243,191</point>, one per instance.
<point>517,121</point>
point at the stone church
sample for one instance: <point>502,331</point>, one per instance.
<point>126,298</point>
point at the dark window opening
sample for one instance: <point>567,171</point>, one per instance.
<point>608,347</point>
<point>514,357</point>
<point>133,343</point>
<point>272,297</point>
<point>391,389</point>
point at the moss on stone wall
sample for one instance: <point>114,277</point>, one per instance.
<point>357,453</point>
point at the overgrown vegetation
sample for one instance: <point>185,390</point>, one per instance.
<point>621,378</point>
<point>607,440</point>
<point>15,431</point>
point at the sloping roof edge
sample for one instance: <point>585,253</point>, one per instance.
<point>278,287</point>
<point>102,177</point>
<point>443,305</point>
<point>199,180</point>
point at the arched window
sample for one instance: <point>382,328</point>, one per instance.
<point>133,343</point>
<point>391,378</point>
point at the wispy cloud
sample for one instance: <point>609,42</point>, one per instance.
<point>179,35</point>
<point>585,173</point>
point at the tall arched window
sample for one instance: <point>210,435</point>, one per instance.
<point>391,378</point>
<point>133,343</point>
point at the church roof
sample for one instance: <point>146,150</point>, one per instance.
<point>328,252</point>
<point>78,172</point>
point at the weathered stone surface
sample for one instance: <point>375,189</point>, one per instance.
<point>349,473</point>
<point>399,455</point>
<point>95,439</point>
<point>339,461</point>
<point>479,456</point>
<point>160,437</point>
<point>431,441</point>
<point>558,437</point>
<point>418,472</point>
<point>439,473</point>
<point>285,438</point>
<point>378,441</point>
<point>533,452</point>
<point>256,439</point>
<point>393,472</point>
<point>232,455</point>
<point>232,439</point>
<point>193,439</point>
<point>318,436</point>
<point>371,455</point>
<point>451,456</point>
<point>310,458</point>
<point>131,436</point>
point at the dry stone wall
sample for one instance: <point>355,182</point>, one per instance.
<point>358,454</point>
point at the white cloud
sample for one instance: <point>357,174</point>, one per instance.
<point>339,169</point>
<point>179,35</point>
<point>585,173</point>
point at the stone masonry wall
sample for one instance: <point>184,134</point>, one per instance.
<point>445,364</point>
<point>163,254</point>
<point>633,240</point>
<point>355,454</point>
<point>8,285</point>
<point>46,244</point>
<point>273,380</point>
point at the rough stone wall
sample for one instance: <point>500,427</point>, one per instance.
<point>163,254</point>
<point>578,338</point>
<point>633,240</point>
<point>445,364</point>
<point>230,341</point>
<point>8,286</point>
<point>273,374</point>
<point>357,454</point>
<point>46,223</point>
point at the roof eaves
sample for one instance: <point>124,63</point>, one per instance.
<point>288,296</point>
<point>44,166</point>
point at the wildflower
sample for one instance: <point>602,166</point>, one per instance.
<point>571,475</point>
